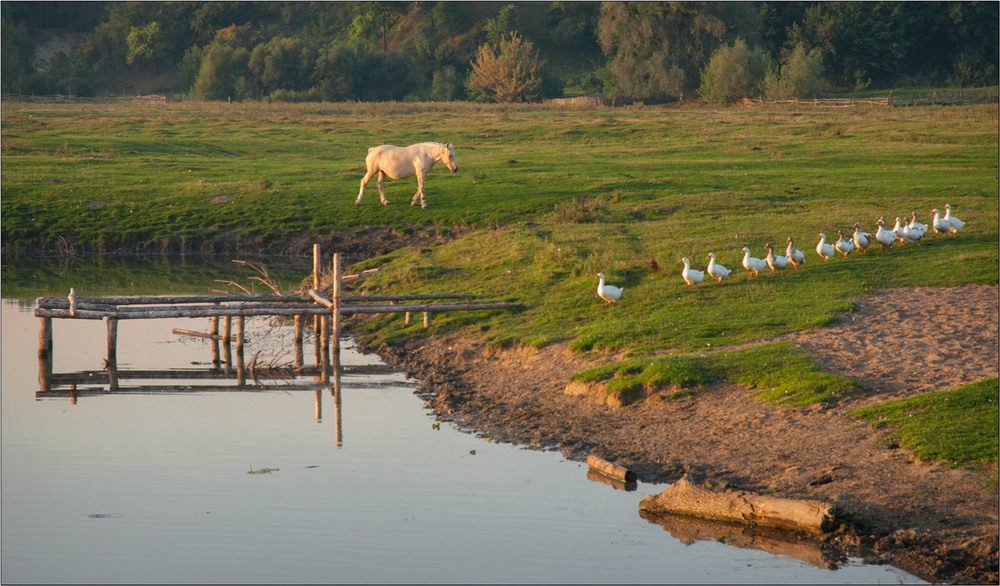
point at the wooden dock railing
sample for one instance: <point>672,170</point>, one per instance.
<point>326,312</point>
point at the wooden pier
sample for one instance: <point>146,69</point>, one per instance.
<point>326,312</point>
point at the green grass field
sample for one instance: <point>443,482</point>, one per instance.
<point>552,197</point>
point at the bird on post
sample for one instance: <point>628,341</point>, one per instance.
<point>607,292</point>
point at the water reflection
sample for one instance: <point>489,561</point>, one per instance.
<point>152,480</point>
<point>689,530</point>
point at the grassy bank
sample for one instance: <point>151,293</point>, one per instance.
<point>545,199</point>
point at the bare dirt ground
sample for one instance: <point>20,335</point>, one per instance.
<point>933,521</point>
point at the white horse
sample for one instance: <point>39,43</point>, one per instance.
<point>400,162</point>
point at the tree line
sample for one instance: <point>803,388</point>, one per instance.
<point>497,51</point>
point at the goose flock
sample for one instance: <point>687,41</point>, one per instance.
<point>910,232</point>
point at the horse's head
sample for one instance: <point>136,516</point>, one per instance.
<point>449,158</point>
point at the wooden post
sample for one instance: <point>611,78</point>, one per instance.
<point>298,341</point>
<point>45,354</point>
<point>406,318</point>
<point>338,426</point>
<point>319,405</point>
<point>214,325</point>
<point>317,320</point>
<point>227,329</point>
<point>336,311</point>
<point>324,364</point>
<point>240,334</point>
<point>427,319</point>
<point>112,361</point>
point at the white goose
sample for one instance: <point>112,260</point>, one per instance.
<point>608,293</point>
<point>823,249</point>
<point>752,264</point>
<point>691,276</point>
<point>795,256</point>
<point>915,225</point>
<point>717,271</point>
<point>910,233</point>
<point>898,231</point>
<point>955,223</point>
<point>861,239</point>
<point>775,261</point>
<point>844,245</point>
<point>940,224</point>
<point>884,237</point>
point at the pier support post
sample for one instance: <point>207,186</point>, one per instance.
<point>112,360</point>
<point>298,341</point>
<point>336,311</point>
<point>227,350</point>
<point>317,320</point>
<point>214,322</point>
<point>45,354</point>
<point>240,335</point>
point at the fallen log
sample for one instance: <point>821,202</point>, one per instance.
<point>609,469</point>
<point>684,497</point>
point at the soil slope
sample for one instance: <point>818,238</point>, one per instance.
<point>933,521</point>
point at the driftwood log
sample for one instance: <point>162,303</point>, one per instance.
<point>609,469</point>
<point>684,497</point>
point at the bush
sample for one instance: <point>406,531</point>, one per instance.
<point>445,86</point>
<point>509,72</point>
<point>733,72</point>
<point>801,76</point>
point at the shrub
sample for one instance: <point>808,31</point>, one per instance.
<point>801,76</point>
<point>734,72</point>
<point>506,73</point>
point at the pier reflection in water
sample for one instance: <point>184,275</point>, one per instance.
<point>151,483</point>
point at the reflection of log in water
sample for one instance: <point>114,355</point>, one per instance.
<point>688,530</point>
<point>615,483</point>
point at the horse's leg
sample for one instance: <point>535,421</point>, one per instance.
<point>364,181</point>
<point>420,191</point>
<point>381,191</point>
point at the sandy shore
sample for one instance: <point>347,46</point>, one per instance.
<point>936,522</point>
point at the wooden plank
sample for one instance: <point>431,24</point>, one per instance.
<point>264,311</point>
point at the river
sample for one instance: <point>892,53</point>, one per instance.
<point>164,482</point>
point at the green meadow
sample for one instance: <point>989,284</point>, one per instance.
<point>545,198</point>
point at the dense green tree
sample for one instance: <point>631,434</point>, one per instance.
<point>225,69</point>
<point>658,49</point>
<point>372,21</point>
<point>650,51</point>
<point>734,72</point>
<point>283,63</point>
<point>335,73</point>
<point>445,86</point>
<point>800,75</point>
<point>17,55</point>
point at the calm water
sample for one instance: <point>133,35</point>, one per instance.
<point>155,487</point>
